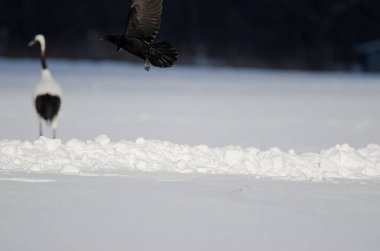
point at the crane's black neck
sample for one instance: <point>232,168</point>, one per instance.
<point>43,61</point>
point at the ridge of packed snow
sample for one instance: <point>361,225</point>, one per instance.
<point>101,155</point>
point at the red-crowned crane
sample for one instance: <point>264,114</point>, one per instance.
<point>48,93</point>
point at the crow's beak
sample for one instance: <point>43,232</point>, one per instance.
<point>31,43</point>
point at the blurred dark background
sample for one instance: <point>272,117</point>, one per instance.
<point>284,34</point>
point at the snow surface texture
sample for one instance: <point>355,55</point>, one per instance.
<point>203,107</point>
<point>107,204</point>
<point>167,211</point>
<point>217,107</point>
<point>102,155</point>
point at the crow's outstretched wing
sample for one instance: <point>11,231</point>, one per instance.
<point>144,19</point>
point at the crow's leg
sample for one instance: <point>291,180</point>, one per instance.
<point>146,65</point>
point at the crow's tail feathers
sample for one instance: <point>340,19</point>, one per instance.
<point>163,54</point>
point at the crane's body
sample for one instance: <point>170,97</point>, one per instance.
<point>48,93</point>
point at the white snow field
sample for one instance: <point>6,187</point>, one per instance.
<point>102,155</point>
<point>194,159</point>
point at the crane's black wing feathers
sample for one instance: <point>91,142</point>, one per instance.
<point>47,106</point>
<point>144,20</point>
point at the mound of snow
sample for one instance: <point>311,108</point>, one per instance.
<point>101,155</point>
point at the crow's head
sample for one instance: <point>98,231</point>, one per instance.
<point>111,38</point>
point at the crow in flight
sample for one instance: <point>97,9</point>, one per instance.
<point>142,27</point>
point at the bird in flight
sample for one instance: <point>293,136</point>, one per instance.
<point>142,27</point>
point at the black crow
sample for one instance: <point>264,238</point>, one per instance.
<point>142,27</point>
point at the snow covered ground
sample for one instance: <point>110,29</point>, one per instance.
<point>192,160</point>
<point>158,211</point>
<point>103,156</point>
<point>197,106</point>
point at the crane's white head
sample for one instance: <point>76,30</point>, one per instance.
<point>39,39</point>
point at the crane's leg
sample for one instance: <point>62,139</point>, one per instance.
<point>40,126</point>
<point>54,125</point>
<point>146,65</point>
